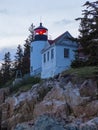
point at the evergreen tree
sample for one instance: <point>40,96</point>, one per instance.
<point>18,59</point>
<point>89,32</point>
<point>1,78</point>
<point>31,36</point>
<point>6,68</point>
<point>26,54</point>
<point>26,58</point>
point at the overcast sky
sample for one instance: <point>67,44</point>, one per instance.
<point>16,16</point>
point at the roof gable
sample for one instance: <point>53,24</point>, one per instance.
<point>64,39</point>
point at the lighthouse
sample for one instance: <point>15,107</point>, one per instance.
<point>40,39</point>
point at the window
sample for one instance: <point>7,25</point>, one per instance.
<point>66,53</point>
<point>52,53</point>
<point>48,56</point>
<point>44,58</point>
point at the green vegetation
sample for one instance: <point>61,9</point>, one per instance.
<point>25,84</point>
<point>77,75</point>
<point>78,63</point>
<point>83,72</point>
<point>21,62</point>
<point>88,37</point>
<point>7,84</point>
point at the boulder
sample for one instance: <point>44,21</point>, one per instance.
<point>24,126</point>
<point>72,95</point>
<point>51,105</point>
<point>47,123</point>
<point>4,92</point>
<point>90,125</point>
<point>91,109</point>
<point>71,126</point>
<point>88,88</point>
<point>19,107</point>
<point>5,111</point>
<point>54,103</point>
<point>81,106</point>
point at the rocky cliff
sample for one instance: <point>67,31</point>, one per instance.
<point>56,104</point>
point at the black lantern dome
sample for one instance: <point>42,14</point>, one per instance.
<point>41,33</point>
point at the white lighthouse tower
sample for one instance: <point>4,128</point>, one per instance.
<point>40,39</point>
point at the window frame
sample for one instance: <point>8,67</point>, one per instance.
<point>52,53</point>
<point>44,57</point>
<point>48,56</point>
<point>66,52</point>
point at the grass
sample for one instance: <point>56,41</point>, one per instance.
<point>83,72</point>
<point>25,85</point>
<point>77,74</point>
<point>7,84</point>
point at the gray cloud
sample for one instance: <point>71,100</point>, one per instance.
<point>5,50</point>
<point>3,11</point>
<point>63,22</point>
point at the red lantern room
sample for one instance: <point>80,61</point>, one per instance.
<point>41,33</point>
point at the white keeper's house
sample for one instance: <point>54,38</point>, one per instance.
<point>50,57</point>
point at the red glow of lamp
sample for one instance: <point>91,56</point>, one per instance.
<point>41,31</point>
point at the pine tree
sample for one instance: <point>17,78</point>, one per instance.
<point>26,54</point>
<point>26,58</point>
<point>6,68</point>
<point>18,59</point>
<point>89,32</point>
<point>31,36</point>
<point>1,78</point>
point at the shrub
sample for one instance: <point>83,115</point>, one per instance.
<point>26,83</point>
<point>78,63</point>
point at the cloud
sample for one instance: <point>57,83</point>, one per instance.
<point>3,11</point>
<point>5,50</point>
<point>63,22</point>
